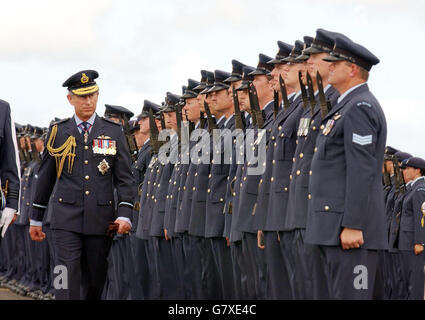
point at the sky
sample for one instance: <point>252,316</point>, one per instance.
<point>143,49</point>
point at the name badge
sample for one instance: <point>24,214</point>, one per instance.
<point>105,147</point>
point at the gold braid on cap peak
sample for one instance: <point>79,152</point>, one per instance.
<point>61,153</point>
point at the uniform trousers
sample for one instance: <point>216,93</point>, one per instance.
<point>353,274</point>
<point>85,260</point>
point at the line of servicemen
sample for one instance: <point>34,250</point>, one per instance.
<point>211,229</point>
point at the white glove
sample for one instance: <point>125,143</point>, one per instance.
<point>6,218</point>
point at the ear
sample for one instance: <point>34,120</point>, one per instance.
<point>69,98</point>
<point>354,70</point>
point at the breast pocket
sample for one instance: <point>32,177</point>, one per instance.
<point>284,149</point>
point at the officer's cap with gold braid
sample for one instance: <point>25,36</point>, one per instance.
<point>82,83</point>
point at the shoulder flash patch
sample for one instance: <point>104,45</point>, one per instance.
<point>364,103</point>
<point>59,121</point>
<point>110,121</point>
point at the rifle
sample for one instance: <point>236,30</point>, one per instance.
<point>311,93</point>
<point>399,180</point>
<point>131,141</point>
<point>211,121</point>
<point>386,177</point>
<point>154,133</point>
<point>203,121</point>
<point>255,106</point>
<point>239,116</point>
<point>275,103</point>
<point>303,91</point>
<point>34,153</point>
<point>179,125</point>
<point>191,124</point>
<point>284,93</point>
<point>325,105</point>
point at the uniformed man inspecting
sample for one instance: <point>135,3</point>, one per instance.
<point>86,156</point>
<point>346,215</point>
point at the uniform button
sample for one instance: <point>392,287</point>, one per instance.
<point>209,177</point>
<point>221,199</point>
<point>87,177</point>
<point>272,179</point>
<point>311,173</point>
<point>282,135</point>
<point>309,197</point>
<point>280,128</point>
<point>298,172</point>
<point>241,185</point>
<point>261,181</point>
<point>274,161</point>
<point>290,177</point>
<point>244,178</point>
<point>168,197</point>
<point>212,161</point>
<point>86,147</point>
<point>234,194</point>
<point>296,141</point>
<point>23,197</point>
<point>315,149</point>
<point>175,182</point>
<point>286,189</point>
<point>314,128</point>
<point>171,197</point>
<point>209,190</point>
<point>87,193</point>
<point>154,184</point>
<point>293,160</point>
<point>273,138</point>
<point>196,174</point>
<point>326,208</point>
<point>194,188</point>
<point>322,127</point>
<point>169,181</point>
<point>153,197</point>
<point>184,188</point>
<point>301,155</point>
<point>159,185</point>
<point>149,182</point>
<point>275,144</point>
<point>86,161</point>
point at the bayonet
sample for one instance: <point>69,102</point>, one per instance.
<point>275,103</point>
<point>211,121</point>
<point>325,105</point>
<point>179,125</point>
<point>154,133</point>
<point>303,91</point>
<point>255,105</point>
<point>284,93</point>
<point>131,142</point>
<point>239,117</point>
<point>203,121</point>
<point>311,93</point>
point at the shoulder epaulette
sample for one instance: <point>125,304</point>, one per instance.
<point>59,121</point>
<point>110,121</point>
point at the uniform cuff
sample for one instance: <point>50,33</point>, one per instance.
<point>126,220</point>
<point>35,223</point>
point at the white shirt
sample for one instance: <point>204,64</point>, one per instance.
<point>78,121</point>
<point>348,91</point>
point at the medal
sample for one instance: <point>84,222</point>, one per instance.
<point>103,167</point>
<point>328,127</point>
<point>104,147</point>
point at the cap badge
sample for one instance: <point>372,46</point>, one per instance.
<point>84,78</point>
<point>103,167</point>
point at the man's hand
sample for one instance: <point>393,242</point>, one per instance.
<point>228,242</point>
<point>351,238</point>
<point>418,249</point>
<point>37,233</point>
<point>166,234</point>
<point>8,217</point>
<point>124,227</point>
<point>260,239</point>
